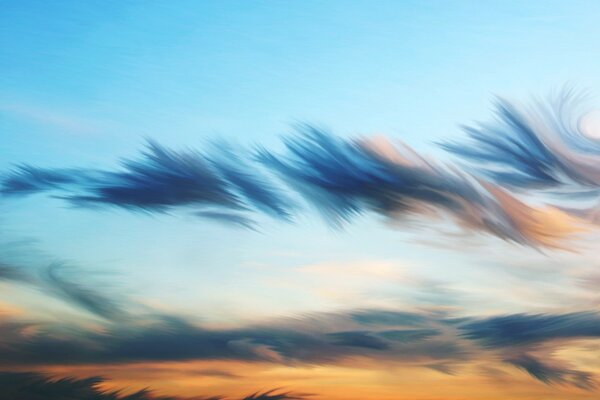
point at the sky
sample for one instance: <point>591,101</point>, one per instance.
<point>333,199</point>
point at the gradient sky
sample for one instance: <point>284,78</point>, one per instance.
<point>394,303</point>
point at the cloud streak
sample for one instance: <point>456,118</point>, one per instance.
<point>343,179</point>
<point>169,338</point>
<point>340,178</point>
<point>544,145</point>
<point>57,279</point>
<point>527,329</point>
<point>36,386</point>
<point>158,181</point>
<point>380,337</point>
<point>551,374</point>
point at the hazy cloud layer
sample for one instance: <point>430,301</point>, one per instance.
<point>322,340</point>
<point>524,329</point>
<point>58,279</point>
<point>419,339</point>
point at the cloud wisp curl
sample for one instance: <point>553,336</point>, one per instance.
<point>546,145</point>
<point>58,279</point>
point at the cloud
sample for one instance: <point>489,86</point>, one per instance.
<point>75,293</point>
<point>160,180</point>
<point>410,335</point>
<point>419,339</point>
<point>388,318</point>
<point>550,374</point>
<point>341,178</point>
<point>544,145</point>
<point>324,339</point>
<point>517,335</point>
<point>56,278</point>
<point>9,272</point>
<point>359,339</point>
<point>527,329</point>
<point>228,218</point>
<point>36,386</point>
<point>344,178</point>
<point>26,179</point>
<point>275,394</point>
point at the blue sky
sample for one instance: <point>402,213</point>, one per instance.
<point>84,84</point>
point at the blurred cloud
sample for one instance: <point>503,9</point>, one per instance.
<point>545,145</point>
<point>424,339</point>
<point>524,154</point>
<point>551,374</point>
<point>85,297</point>
<point>527,329</point>
<point>158,181</point>
<point>315,340</point>
<point>341,178</point>
<point>36,386</point>
<point>58,279</point>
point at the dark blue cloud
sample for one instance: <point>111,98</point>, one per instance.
<point>316,340</point>
<point>359,339</point>
<point>550,374</point>
<point>160,180</point>
<point>233,219</point>
<point>168,338</point>
<point>344,178</point>
<point>524,329</point>
<point>340,178</point>
<point>26,179</point>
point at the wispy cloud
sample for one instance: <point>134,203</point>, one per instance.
<point>544,145</point>
<point>58,279</point>
<point>346,178</point>
<point>418,339</point>
<point>159,181</point>
<point>36,386</point>
<point>552,374</point>
<point>524,329</point>
<point>315,341</point>
<point>341,178</point>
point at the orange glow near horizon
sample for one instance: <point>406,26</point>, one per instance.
<point>484,379</point>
